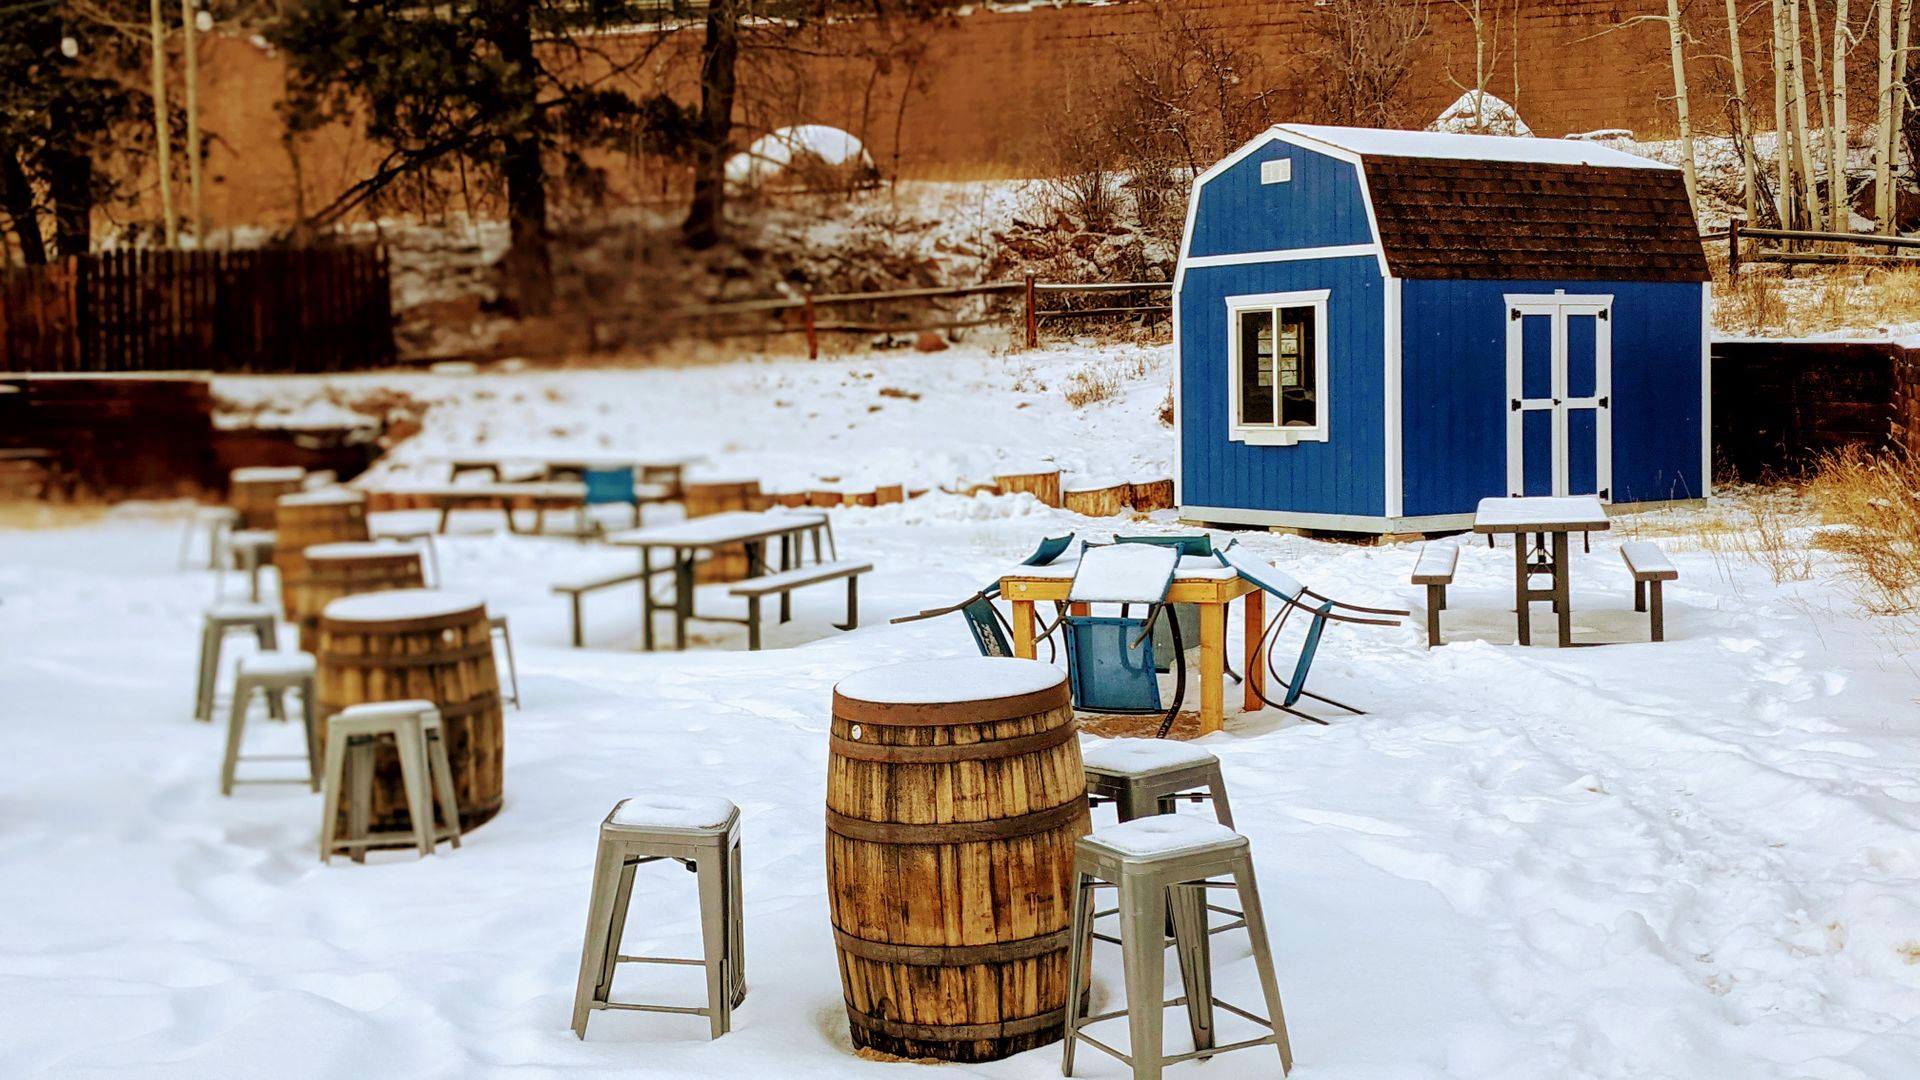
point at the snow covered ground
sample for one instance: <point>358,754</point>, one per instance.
<point>1698,859</point>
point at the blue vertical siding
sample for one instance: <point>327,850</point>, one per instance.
<point>1346,474</point>
<point>1454,390</point>
<point>1321,206</point>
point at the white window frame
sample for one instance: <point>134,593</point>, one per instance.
<point>1273,434</point>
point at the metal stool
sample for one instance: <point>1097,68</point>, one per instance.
<point>217,522</point>
<point>701,832</point>
<point>1143,777</point>
<point>497,627</point>
<point>414,726</point>
<point>1155,862</point>
<point>221,620</point>
<point>272,674</point>
<point>249,550</point>
<point>404,534</point>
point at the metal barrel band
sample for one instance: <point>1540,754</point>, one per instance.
<point>956,832</point>
<point>999,952</point>
<point>950,713</point>
<point>1052,1019</point>
<point>433,659</point>
<point>948,754</point>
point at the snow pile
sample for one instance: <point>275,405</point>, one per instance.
<point>1477,112</point>
<point>804,147</point>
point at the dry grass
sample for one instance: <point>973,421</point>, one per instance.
<point>36,514</point>
<point>1871,506</point>
<point>1090,386</point>
<point>1765,300</point>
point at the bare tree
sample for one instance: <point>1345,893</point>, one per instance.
<point>1367,49</point>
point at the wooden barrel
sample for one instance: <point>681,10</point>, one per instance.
<point>704,497</point>
<point>954,796</point>
<point>254,491</point>
<point>348,569</point>
<point>327,516</point>
<point>419,643</point>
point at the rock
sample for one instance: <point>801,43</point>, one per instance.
<point>929,341</point>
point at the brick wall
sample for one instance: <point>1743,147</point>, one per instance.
<point>975,100</point>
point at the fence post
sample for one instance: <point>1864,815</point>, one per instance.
<point>813,336</point>
<point>1733,247</point>
<point>1033,326</point>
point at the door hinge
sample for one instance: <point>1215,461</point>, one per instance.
<point>1606,493</point>
<point>1556,401</point>
<point>1603,403</point>
<point>1516,405</point>
<point>1513,315</point>
<point>1606,314</point>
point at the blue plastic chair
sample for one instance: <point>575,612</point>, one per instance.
<point>1185,616</point>
<point>1293,596</point>
<point>606,487</point>
<point>1111,664</point>
<point>989,628</point>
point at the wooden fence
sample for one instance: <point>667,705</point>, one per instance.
<point>1797,249</point>
<point>277,310</point>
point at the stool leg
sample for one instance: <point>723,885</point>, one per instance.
<point>211,638</point>
<point>1079,943</point>
<point>359,793</point>
<point>513,669</point>
<point>617,929</point>
<point>1142,949</point>
<point>1136,801</point>
<point>1217,786</point>
<point>412,744</point>
<point>236,722</point>
<point>334,777</point>
<point>277,704</point>
<point>593,950</point>
<point>442,774</point>
<point>714,932</point>
<point>736,920</point>
<point>313,733</point>
<point>1191,946</point>
<point>1249,892</point>
<point>269,634</point>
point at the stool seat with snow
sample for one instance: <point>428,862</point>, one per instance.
<point>1143,777</point>
<point>426,778</point>
<point>272,674</point>
<point>248,550</point>
<point>1167,860</point>
<point>218,522</point>
<point>233,617</point>
<point>703,834</point>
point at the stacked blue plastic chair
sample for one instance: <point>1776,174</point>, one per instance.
<point>1111,662</point>
<point>984,621</point>
<point>607,487</point>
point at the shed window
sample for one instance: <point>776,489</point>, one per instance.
<point>1278,367</point>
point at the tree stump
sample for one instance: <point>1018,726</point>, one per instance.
<point>1097,498</point>
<point>1147,496</point>
<point>1044,486</point>
<point>888,494</point>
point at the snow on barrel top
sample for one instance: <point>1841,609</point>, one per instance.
<point>324,497</point>
<point>400,604</point>
<point>358,549</point>
<point>1451,146</point>
<point>966,678</point>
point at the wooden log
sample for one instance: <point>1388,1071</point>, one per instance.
<point>859,498</point>
<point>950,835</point>
<point>1147,496</point>
<point>825,498</point>
<point>426,644</point>
<point>888,494</point>
<point>1044,486</point>
<point>1098,499</point>
<point>704,497</point>
<point>349,569</point>
<point>789,498</point>
<point>327,516</point>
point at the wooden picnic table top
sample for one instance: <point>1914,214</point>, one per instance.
<point>718,530</point>
<point>1541,513</point>
<point>508,489</point>
<point>561,458</point>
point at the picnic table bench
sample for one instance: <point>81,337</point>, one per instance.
<point>1435,568</point>
<point>686,542</point>
<point>754,589</point>
<point>1650,567</point>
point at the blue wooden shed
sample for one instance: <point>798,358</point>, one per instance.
<point>1377,329</point>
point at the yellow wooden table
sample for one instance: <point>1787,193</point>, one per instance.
<point>1211,589</point>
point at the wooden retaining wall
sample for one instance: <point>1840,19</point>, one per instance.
<point>1779,405</point>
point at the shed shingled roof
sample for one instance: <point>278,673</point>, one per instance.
<point>1493,219</point>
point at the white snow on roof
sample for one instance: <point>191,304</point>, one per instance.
<point>1384,142</point>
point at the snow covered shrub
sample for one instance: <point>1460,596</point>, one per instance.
<point>1872,503</point>
<point>1090,386</point>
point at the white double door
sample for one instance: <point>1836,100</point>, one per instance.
<point>1560,395</point>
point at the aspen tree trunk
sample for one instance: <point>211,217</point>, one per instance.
<point>1882,163</point>
<point>1743,116</point>
<point>1782,126</point>
<point>1896,133</point>
<point>1822,147</point>
<point>164,151</point>
<point>1802,151</point>
<point>1837,133</point>
<point>1680,99</point>
<point>190,54</point>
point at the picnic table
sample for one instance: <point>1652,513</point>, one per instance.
<point>686,541</point>
<point>1548,520</point>
<point>1197,580</point>
<point>541,495</point>
<point>666,470</point>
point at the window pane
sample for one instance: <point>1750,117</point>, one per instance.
<point>1256,367</point>
<point>1294,359</point>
